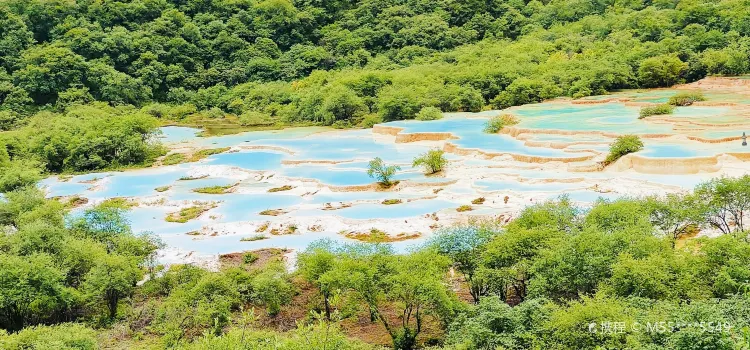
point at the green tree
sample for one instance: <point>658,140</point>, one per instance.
<point>659,71</point>
<point>112,279</point>
<point>31,291</point>
<point>432,161</point>
<point>429,113</point>
<point>49,70</point>
<point>724,202</point>
<point>342,103</point>
<point>463,244</point>
<point>623,145</point>
<point>19,173</point>
<point>315,265</point>
<point>384,173</point>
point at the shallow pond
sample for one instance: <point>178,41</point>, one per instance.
<point>309,169</point>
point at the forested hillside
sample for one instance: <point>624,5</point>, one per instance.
<point>375,56</point>
<point>249,64</point>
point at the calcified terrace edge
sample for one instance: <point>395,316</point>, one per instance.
<point>641,164</point>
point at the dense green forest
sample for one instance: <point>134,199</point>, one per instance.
<point>557,277</point>
<point>252,63</point>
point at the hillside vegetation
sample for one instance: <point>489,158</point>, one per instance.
<point>539,282</point>
<point>93,69</point>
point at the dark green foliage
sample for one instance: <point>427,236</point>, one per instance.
<point>623,145</point>
<point>313,61</point>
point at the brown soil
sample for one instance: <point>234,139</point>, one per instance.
<point>265,256</point>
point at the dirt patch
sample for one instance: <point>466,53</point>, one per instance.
<point>264,257</point>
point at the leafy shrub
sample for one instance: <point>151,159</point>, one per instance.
<point>656,110</point>
<point>623,145</point>
<point>370,120</point>
<point>273,288</point>
<point>19,173</point>
<point>429,113</point>
<point>686,98</point>
<point>391,201</point>
<point>432,161</point>
<point>63,337</point>
<point>479,200</point>
<point>497,123</point>
<point>249,258</point>
<point>377,169</point>
<point>464,208</point>
<point>253,118</point>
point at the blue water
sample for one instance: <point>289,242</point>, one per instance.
<point>667,151</point>
<point>242,207</point>
<point>471,135</point>
<point>254,160</point>
<point>55,188</point>
<point>139,183</point>
<point>176,134</point>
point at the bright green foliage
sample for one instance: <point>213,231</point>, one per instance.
<point>174,158</point>
<point>55,272</point>
<point>112,279</point>
<point>86,138</point>
<point>66,336</point>
<point>200,301</point>
<point>214,189</point>
<point>249,258</point>
<point>382,172</point>
<point>686,98</point>
<point>560,214</point>
<point>464,244</point>
<point>623,145</point>
<point>272,288</point>
<point>316,265</point>
<point>320,335</point>
<point>656,110</point>
<point>32,290</point>
<point>368,121</point>
<point>432,161</point>
<point>675,214</point>
<point>18,173</point>
<point>495,124</point>
<point>429,113</point>
<point>724,202</point>
<point>664,70</point>
<point>252,118</point>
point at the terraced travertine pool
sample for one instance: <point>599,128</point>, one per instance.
<point>314,182</point>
